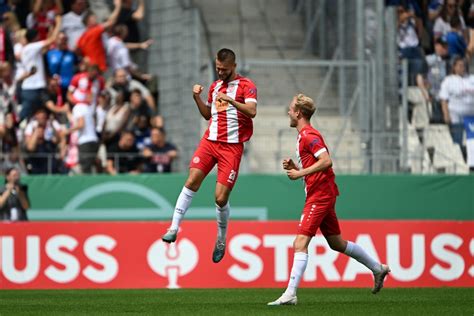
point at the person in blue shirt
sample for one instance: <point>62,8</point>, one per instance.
<point>62,62</point>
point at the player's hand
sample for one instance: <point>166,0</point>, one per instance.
<point>293,174</point>
<point>288,164</point>
<point>223,97</point>
<point>197,89</point>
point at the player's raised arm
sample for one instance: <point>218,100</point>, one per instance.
<point>203,108</point>
<point>248,108</point>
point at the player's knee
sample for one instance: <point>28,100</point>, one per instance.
<point>336,246</point>
<point>192,184</point>
<point>221,201</point>
<point>299,246</point>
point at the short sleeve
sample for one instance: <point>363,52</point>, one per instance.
<point>314,144</point>
<point>250,92</point>
<point>444,90</point>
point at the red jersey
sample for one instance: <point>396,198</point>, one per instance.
<point>309,146</point>
<point>91,46</point>
<point>227,124</point>
<point>82,86</point>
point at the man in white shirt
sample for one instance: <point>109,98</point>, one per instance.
<point>83,116</point>
<point>33,87</point>
<point>72,22</point>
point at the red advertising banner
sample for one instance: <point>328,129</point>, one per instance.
<point>47,255</point>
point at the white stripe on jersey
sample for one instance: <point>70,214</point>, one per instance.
<point>250,100</point>
<point>319,152</point>
<point>213,125</point>
<point>232,115</point>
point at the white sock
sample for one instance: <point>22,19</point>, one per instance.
<point>300,261</point>
<point>222,214</point>
<point>357,252</point>
<point>182,205</point>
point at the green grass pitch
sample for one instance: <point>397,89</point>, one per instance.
<point>242,302</point>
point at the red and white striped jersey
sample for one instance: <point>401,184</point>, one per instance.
<point>227,124</point>
<point>82,86</point>
<point>309,146</point>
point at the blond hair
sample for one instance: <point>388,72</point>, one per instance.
<point>305,105</point>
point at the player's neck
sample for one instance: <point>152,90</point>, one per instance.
<point>302,124</point>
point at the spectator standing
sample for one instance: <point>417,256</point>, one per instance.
<point>88,142</point>
<point>62,62</point>
<point>130,17</point>
<point>42,18</point>
<point>86,87</point>
<point>430,80</point>
<point>72,22</point>
<point>160,154</point>
<point>14,201</point>
<point>457,98</point>
<point>90,43</point>
<point>118,52</point>
<point>33,87</point>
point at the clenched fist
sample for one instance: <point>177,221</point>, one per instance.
<point>197,89</point>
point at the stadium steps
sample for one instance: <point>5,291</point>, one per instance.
<point>274,140</point>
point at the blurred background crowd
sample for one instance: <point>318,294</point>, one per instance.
<point>73,98</point>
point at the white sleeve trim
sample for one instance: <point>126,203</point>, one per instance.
<point>208,104</point>
<point>251,100</point>
<point>319,152</point>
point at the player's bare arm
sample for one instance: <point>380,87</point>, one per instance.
<point>248,108</point>
<point>203,108</point>
<point>323,163</point>
<point>289,164</point>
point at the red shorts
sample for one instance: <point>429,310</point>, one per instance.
<point>319,214</point>
<point>227,156</point>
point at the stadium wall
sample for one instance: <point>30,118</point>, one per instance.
<point>255,197</point>
<point>421,226</point>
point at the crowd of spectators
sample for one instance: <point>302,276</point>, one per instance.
<point>72,98</point>
<point>437,39</point>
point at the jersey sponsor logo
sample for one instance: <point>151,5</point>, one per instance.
<point>221,105</point>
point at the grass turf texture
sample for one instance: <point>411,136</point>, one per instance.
<point>242,302</point>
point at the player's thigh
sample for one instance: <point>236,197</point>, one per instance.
<point>313,215</point>
<point>228,163</point>
<point>330,224</point>
<point>195,178</point>
<point>204,158</point>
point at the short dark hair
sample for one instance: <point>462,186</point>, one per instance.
<point>31,34</point>
<point>226,54</point>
